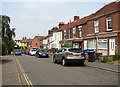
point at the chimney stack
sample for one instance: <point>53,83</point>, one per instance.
<point>76,18</point>
<point>61,24</point>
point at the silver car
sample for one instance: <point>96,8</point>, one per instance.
<point>65,55</point>
<point>32,52</point>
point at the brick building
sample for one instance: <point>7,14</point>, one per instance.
<point>103,30</point>
<point>99,31</point>
<point>37,42</point>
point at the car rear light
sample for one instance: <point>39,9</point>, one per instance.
<point>68,53</point>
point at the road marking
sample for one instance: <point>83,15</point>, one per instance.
<point>24,74</point>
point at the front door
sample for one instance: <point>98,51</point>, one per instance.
<point>111,46</point>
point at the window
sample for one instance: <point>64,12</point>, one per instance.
<point>74,32</point>
<point>80,31</point>
<point>109,24</point>
<point>64,34</point>
<point>102,44</point>
<point>60,50</point>
<point>96,26</point>
<point>75,45</point>
<point>92,44</point>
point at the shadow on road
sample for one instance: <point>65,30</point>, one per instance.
<point>72,65</point>
<point>3,61</point>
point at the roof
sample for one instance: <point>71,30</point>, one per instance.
<point>40,37</point>
<point>29,40</point>
<point>26,40</point>
<point>23,41</point>
<point>108,8</point>
<point>83,20</point>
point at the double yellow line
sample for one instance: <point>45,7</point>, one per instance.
<point>29,83</point>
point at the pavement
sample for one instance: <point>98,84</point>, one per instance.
<point>11,75</point>
<point>104,66</point>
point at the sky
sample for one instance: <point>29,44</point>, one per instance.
<point>31,18</point>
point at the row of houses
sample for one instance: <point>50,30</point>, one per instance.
<point>99,31</point>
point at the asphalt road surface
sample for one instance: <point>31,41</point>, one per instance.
<point>42,71</point>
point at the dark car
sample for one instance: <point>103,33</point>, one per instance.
<point>66,55</point>
<point>18,52</point>
<point>41,53</point>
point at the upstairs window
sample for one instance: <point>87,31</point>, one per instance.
<point>96,26</point>
<point>74,32</point>
<point>80,31</point>
<point>64,34</point>
<point>109,23</point>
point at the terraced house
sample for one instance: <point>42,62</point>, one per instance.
<point>103,30</point>
<point>99,31</point>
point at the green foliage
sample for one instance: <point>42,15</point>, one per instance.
<point>66,45</point>
<point>3,48</point>
<point>104,60</point>
<point>116,56</point>
<point>6,34</point>
<point>111,61</point>
<point>107,60</point>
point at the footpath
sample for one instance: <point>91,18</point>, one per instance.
<point>104,66</point>
<point>11,76</point>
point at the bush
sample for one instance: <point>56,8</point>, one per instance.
<point>104,60</point>
<point>116,57</point>
<point>111,61</point>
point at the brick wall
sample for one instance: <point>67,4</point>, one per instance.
<point>35,43</point>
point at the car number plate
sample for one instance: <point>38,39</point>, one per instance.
<point>44,55</point>
<point>76,55</point>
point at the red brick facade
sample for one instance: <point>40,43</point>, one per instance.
<point>36,43</point>
<point>104,41</point>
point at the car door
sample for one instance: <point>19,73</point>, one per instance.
<point>59,54</point>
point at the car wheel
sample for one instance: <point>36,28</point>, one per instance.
<point>63,62</point>
<point>54,60</point>
<point>38,56</point>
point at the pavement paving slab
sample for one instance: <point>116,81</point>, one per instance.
<point>104,66</point>
<point>10,75</point>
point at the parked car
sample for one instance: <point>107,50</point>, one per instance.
<point>32,52</point>
<point>41,53</point>
<point>27,52</point>
<point>66,55</point>
<point>18,52</point>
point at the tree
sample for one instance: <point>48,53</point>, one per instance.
<point>6,34</point>
<point>66,45</point>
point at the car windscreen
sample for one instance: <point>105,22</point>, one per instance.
<point>33,50</point>
<point>42,51</point>
<point>75,50</point>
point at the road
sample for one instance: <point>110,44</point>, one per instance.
<point>42,71</point>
